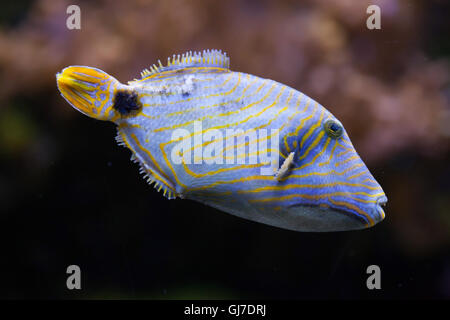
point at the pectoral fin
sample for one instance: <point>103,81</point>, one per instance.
<point>285,167</point>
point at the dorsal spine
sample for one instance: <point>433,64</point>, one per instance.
<point>205,58</point>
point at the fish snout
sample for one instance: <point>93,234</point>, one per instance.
<point>379,214</point>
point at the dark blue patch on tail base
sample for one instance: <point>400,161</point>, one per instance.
<point>126,102</point>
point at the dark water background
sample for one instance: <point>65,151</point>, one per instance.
<point>70,195</point>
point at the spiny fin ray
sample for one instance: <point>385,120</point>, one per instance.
<point>205,58</point>
<point>146,172</point>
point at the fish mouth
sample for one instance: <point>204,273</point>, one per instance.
<point>326,218</point>
<point>381,202</point>
<point>375,213</point>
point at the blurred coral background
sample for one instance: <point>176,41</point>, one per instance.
<point>70,195</point>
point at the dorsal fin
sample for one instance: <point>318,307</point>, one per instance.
<point>206,58</point>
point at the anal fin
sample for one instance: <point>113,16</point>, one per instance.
<point>150,175</point>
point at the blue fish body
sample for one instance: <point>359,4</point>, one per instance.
<point>248,146</point>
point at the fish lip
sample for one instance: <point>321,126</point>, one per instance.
<point>376,212</point>
<point>380,202</point>
<point>353,216</point>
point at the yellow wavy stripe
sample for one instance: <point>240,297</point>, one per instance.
<point>252,178</point>
<point>256,153</point>
<point>315,157</point>
<point>312,129</point>
<point>357,175</point>
<point>308,186</point>
<point>331,156</point>
<point>311,196</point>
<point>345,147</point>
<point>165,74</point>
<point>365,201</point>
<point>220,85</point>
<point>302,123</point>
<point>346,160</point>
<point>347,142</point>
<point>299,99</point>
<point>351,206</point>
<point>148,116</point>
<point>343,152</point>
<point>370,180</point>
<point>161,147</point>
<point>323,173</point>
<point>210,173</point>
<point>312,145</point>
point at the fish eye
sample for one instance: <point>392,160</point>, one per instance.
<point>333,129</point>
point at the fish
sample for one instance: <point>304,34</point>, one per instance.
<point>245,145</point>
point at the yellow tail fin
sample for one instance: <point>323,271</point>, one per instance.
<point>89,90</point>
